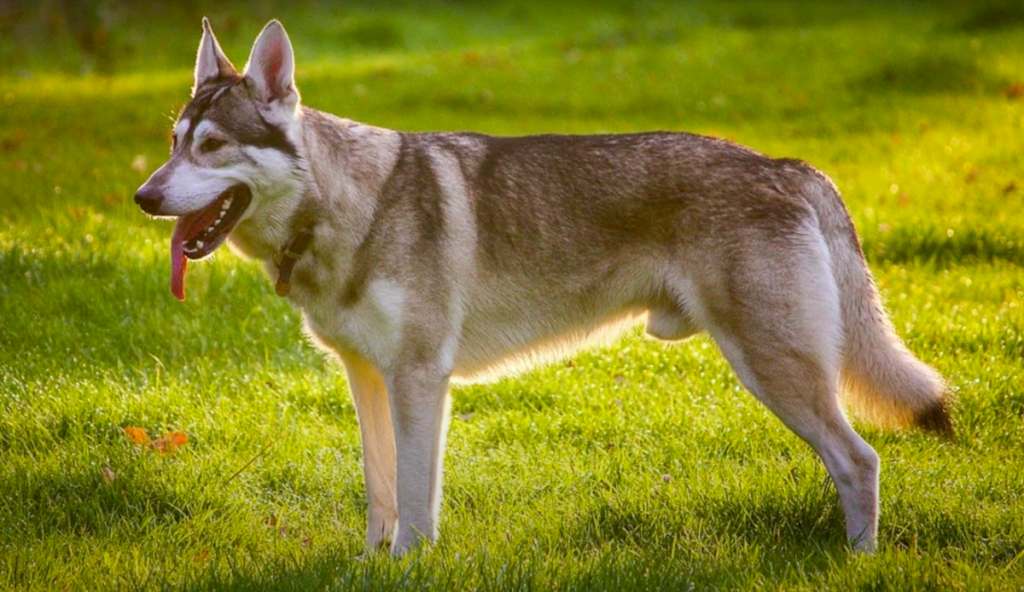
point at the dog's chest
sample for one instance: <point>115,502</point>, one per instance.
<point>371,326</point>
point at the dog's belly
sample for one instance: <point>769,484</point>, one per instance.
<point>492,348</point>
<point>516,325</point>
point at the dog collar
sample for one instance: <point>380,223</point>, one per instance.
<point>286,258</point>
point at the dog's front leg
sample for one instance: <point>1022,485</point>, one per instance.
<point>370,396</point>
<point>419,410</point>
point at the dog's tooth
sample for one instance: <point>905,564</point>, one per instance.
<point>199,244</point>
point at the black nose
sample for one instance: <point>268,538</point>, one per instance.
<point>149,199</point>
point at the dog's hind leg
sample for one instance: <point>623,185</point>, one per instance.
<point>779,327</point>
<point>803,395</point>
<point>371,400</point>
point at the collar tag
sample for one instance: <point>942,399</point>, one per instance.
<point>286,258</point>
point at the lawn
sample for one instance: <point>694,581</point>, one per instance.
<point>636,466</point>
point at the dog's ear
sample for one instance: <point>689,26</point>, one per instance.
<point>271,66</point>
<point>211,63</point>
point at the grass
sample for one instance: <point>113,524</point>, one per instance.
<point>636,466</point>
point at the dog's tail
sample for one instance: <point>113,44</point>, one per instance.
<point>881,380</point>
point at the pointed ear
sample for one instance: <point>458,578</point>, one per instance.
<point>211,63</point>
<point>271,66</point>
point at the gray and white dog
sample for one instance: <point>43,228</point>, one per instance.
<point>423,259</point>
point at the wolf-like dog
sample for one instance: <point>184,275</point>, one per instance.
<point>420,259</point>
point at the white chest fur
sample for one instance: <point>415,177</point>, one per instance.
<point>371,327</point>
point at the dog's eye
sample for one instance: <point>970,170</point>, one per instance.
<point>211,144</point>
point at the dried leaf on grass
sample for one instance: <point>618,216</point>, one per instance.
<point>137,435</point>
<point>166,445</point>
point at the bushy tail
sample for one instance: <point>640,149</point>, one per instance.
<point>881,380</point>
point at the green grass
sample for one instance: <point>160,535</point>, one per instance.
<point>636,466</point>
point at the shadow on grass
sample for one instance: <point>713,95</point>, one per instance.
<point>599,554</point>
<point>931,74</point>
<point>992,16</point>
<point>911,244</point>
<point>441,569</point>
<point>792,527</point>
<point>81,502</point>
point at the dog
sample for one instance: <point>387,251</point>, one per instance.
<point>423,259</point>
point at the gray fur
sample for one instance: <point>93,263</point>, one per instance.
<point>458,256</point>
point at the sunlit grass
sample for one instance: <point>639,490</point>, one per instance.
<point>634,466</point>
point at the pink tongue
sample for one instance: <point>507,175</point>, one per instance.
<point>187,227</point>
<point>178,261</point>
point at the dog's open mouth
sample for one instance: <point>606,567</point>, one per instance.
<point>198,234</point>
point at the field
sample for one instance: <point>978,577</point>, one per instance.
<point>637,466</point>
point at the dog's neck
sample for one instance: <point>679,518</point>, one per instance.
<point>341,169</point>
<point>345,164</point>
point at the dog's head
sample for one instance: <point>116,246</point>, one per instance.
<point>235,148</point>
